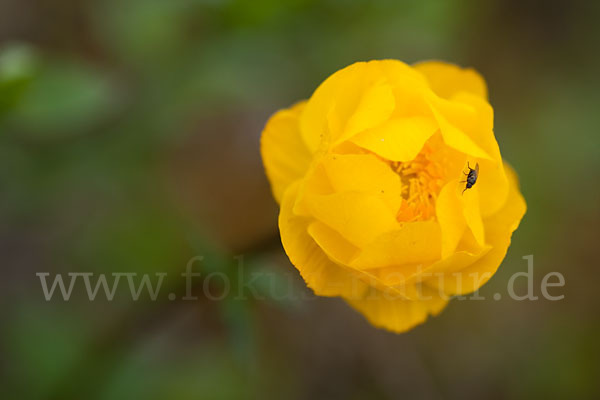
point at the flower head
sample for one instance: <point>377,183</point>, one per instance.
<point>370,174</point>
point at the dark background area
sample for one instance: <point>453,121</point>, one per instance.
<point>129,134</point>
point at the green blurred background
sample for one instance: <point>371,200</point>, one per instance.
<point>129,135</point>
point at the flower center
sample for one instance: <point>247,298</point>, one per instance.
<point>422,180</point>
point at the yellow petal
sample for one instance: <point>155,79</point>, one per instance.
<point>498,230</point>
<point>414,242</point>
<point>395,280</point>
<point>457,209</point>
<point>472,213</point>
<point>321,274</point>
<point>316,181</point>
<point>358,217</point>
<point>492,186</point>
<point>447,79</point>
<point>407,278</point>
<point>406,82</point>
<point>313,121</point>
<point>452,135</point>
<point>450,269</point>
<point>449,214</point>
<point>375,105</point>
<point>492,182</point>
<point>399,139</point>
<point>465,86</point>
<point>333,244</point>
<point>351,100</point>
<point>285,155</point>
<point>364,173</point>
<point>386,310</point>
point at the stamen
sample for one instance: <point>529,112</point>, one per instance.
<point>421,179</point>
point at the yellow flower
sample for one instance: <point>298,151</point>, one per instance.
<point>370,173</point>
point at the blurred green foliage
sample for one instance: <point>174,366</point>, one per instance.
<point>129,143</point>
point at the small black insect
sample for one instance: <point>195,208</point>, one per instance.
<point>471,176</point>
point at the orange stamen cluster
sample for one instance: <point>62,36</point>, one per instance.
<point>422,180</point>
